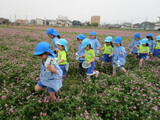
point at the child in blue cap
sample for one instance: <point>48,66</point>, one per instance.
<point>119,56</point>
<point>108,50</point>
<point>135,44</point>
<point>50,74</point>
<point>54,35</point>
<point>95,43</point>
<point>62,56</point>
<point>157,48</point>
<point>151,44</point>
<point>89,58</point>
<point>143,50</point>
<point>81,51</point>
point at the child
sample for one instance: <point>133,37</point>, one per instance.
<point>151,44</point>
<point>95,43</point>
<point>89,58</point>
<point>157,48</point>
<point>62,56</point>
<point>135,44</point>
<point>54,35</point>
<point>119,56</point>
<point>81,51</point>
<point>143,50</point>
<point>108,50</point>
<point>51,74</point>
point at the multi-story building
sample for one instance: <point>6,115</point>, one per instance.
<point>95,19</point>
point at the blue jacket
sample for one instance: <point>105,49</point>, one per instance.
<point>49,79</point>
<point>95,43</point>
<point>81,51</point>
<point>152,44</point>
<point>54,40</point>
<point>134,49</point>
<point>117,56</point>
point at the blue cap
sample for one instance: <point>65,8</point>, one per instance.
<point>118,39</point>
<point>50,31</point>
<point>55,33</point>
<point>85,42</point>
<point>64,43</point>
<point>149,35</point>
<point>81,37</point>
<point>144,41</point>
<point>93,33</point>
<point>137,35</point>
<point>158,37</point>
<point>43,47</point>
<point>108,39</point>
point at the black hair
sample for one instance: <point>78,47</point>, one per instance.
<point>45,53</point>
<point>78,39</point>
<point>57,36</point>
<point>147,44</point>
<point>89,46</point>
<point>95,37</point>
<point>149,37</point>
<point>111,44</point>
<point>64,48</point>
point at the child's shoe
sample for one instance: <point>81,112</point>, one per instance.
<point>53,98</point>
<point>96,73</point>
<point>125,72</point>
<point>113,74</point>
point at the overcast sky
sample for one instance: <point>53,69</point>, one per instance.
<point>111,11</point>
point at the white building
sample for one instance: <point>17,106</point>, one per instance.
<point>53,22</point>
<point>126,25</point>
<point>39,21</point>
<point>157,25</point>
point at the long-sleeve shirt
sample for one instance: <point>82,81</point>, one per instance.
<point>54,40</point>
<point>152,44</point>
<point>133,48</point>
<point>120,57</point>
<point>81,51</point>
<point>95,43</point>
<point>50,79</point>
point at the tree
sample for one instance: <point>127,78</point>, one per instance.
<point>94,24</point>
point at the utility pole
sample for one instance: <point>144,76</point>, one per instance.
<point>131,24</point>
<point>159,19</point>
<point>15,18</point>
<point>10,18</point>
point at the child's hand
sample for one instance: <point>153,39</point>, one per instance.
<point>130,53</point>
<point>88,63</point>
<point>110,55</point>
<point>81,56</point>
<point>120,53</point>
<point>51,68</point>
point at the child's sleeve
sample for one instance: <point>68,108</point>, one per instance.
<point>93,54</point>
<point>130,45</point>
<point>148,49</point>
<point>103,48</point>
<point>97,43</point>
<point>112,49</point>
<point>54,40</point>
<point>63,56</point>
<point>154,44</point>
<point>124,52</point>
